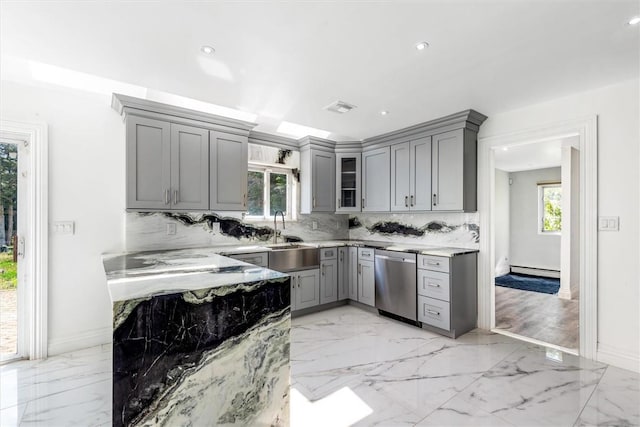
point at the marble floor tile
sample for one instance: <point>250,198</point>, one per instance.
<point>615,401</point>
<point>12,415</point>
<point>461,413</point>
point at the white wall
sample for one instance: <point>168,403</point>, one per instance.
<point>527,247</point>
<point>617,108</point>
<point>502,221</point>
<point>86,185</point>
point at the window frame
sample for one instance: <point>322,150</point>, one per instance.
<point>541,211</point>
<point>266,185</point>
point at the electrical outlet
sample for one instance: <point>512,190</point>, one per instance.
<point>171,229</point>
<point>314,225</point>
<point>215,227</point>
<point>608,223</point>
<point>64,227</point>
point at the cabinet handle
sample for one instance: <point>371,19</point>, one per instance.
<point>433,263</point>
<point>341,256</point>
<point>363,202</point>
<point>434,200</point>
<point>359,268</point>
<point>244,200</point>
<point>298,281</point>
<point>322,269</point>
<point>314,201</point>
<point>175,197</point>
<point>433,285</point>
<point>406,201</point>
<point>412,200</point>
<point>437,313</point>
<point>166,197</point>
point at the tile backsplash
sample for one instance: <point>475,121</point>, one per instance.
<point>433,228</point>
<point>148,230</point>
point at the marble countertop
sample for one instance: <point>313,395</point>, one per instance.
<point>389,246</point>
<point>145,274</point>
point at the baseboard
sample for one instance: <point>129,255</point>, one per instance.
<point>533,271</point>
<point>79,341</point>
<point>619,358</point>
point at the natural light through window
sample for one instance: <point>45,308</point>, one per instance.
<point>269,191</point>
<point>550,208</point>
<point>340,409</point>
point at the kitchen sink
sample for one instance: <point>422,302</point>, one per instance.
<point>293,257</point>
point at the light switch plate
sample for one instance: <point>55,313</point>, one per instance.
<point>171,229</point>
<point>608,223</point>
<point>64,227</point>
<point>215,227</point>
<point>314,225</point>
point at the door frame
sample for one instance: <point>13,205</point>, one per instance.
<point>585,129</point>
<point>35,136</point>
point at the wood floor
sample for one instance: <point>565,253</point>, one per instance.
<point>535,315</point>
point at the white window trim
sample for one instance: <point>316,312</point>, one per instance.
<point>290,215</point>
<point>541,188</point>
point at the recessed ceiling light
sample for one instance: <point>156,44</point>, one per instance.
<point>422,45</point>
<point>505,148</point>
<point>384,112</point>
<point>208,50</point>
<point>635,20</point>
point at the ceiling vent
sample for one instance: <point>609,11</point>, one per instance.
<point>339,107</point>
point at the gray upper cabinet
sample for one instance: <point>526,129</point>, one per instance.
<point>420,175</point>
<point>228,177</point>
<point>167,165</point>
<point>375,180</point>
<point>189,168</point>
<point>411,175</point>
<point>400,176</point>
<point>454,171</point>
<point>148,163</point>
<point>348,182</point>
<point>317,175</point>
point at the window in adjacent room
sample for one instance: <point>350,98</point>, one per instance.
<point>269,190</point>
<point>550,208</point>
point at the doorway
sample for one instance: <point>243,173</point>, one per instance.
<point>23,240</point>
<point>534,215</point>
<point>585,252</point>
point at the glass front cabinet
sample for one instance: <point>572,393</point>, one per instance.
<point>348,182</point>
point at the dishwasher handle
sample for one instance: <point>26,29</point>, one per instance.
<point>388,258</point>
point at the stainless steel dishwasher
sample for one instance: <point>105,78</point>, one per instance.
<point>396,289</point>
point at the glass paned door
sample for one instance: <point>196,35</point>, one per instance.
<point>348,182</point>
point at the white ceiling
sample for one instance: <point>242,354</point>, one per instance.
<point>285,61</point>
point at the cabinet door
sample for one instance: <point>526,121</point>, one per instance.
<point>353,274</point>
<point>343,273</point>
<point>323,174</point>
<point>228,171</point>
<point>420,179</point>
<point>400,175</point>
<point>375,180</point>
<point>348,182</point>
<point>448,171</point>
<point>148,163</point>
<point>328,281</point>
<point>308,289</point>
<point>366,284</point>
<point>189,167</point>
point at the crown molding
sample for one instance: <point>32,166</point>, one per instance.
<point>314,142</point>
<point>270,140</point>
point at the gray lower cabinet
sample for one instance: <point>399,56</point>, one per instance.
<point>366,277</point>
<point>328,275</point>
<point>354,270</point>
<point>343,273</point>
<point>228,178</point>
<point>447,293</point>
<point>305,289</point>
<point>167,165</point>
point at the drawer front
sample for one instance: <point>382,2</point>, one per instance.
<point>435,263</point>
<point>260,259</point>
<point>365,254</point>
<point>433,284</point>
<point>328,253</point>
<point>433,312</point>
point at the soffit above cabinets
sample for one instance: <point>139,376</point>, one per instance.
<point>285,61</point>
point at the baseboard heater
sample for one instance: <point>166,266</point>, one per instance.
<point>533,271</point>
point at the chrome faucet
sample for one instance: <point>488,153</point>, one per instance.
<point>275,225</point>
